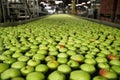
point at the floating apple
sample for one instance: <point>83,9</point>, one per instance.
<point>33,62</point>
<point>38,57</point>
<point>17,78</point>
<point>62,55</point>
<point>9,60</point>
<point>90,61</point>
<point>73,64</point>
<point>79,75</point>
<point>41,68</point>
<point>89,56</point>
<point>99,78</point>
<point>18,64</point>
<point>115,62</point>
<point>112,56</point>
<point>116,69</point>
<point>26,69</point>
<point>54,53</point>
<point>52,64</point>
<point>42,51</point>
<point>56,75</point>
<point>10,73</point>
<point>64,68</point>
<point>23,58</point>
<point>49,58</point>
<point>3,67</point>
<point>70,52</point>
<point>103,65</point>
<point>62,60</point>
<point>77,57</point>
<point>17,55</point>
<point>108,74</point>
<point>88,68</point>
<point>101,60</point>
<point>35,76</point>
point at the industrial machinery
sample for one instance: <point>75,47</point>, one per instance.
<point>14,10</point>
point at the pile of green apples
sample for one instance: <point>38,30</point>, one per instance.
<point>60,47</point>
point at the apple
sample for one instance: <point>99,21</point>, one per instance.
<point>10,73</point>
<point>50,58</point>
<point>101,55</point>
<point>35,76</point>
<point>54,53</point>
<point>101,60</point>
<point>42,51</point>
<point>77,57</point>
<point>64,68</point>
<point>62,55</point>
<point>79,75</point>
<point>9,60</point>
<point>29,54</point>
<point>38,57</point>
<point>8,52</point>
<point>88,68</point>
<point>108,74</point>
<point>89,56</point>
<point>115,62</point>
<point>71,52</point>
<point>26,69</point>
<point>52,64</point>
<point>17,55</point>
<point>116,69</point>
<point>17,78</point>
<point>52,48</point>
<point>56,75</point>
<point>99,78</point>
<point>62,50</point>
<point>18,64</point>
<point>112,56</point>
<point>23,58</point>
<point>62,60</point>
<point>41,68</point>
<point>72,48</point>
<point>73,64</point>
<point>33,62</point>
<point>103,65</point>
<point>90,61</point>
<point>3,67</point>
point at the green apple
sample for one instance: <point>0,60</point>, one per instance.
<point>23,58</point>
<point>50,58</point>
<point>10,73</point>
<point>90,61</point>
<point>52,48</point>
<point>99,78</point>
<point>101,55</point>
<point>73,64</point>
<point>79,75</point>
<point>62,50</point>
<point>88,68</point>
<point>115,62</point>
<point>41,68</point>
<point>17,78</point>
<point>38,57</point>
<point>116,69</point>
<point>64,68</point>
<point>3,67</point>
<point>17,55</point>
<point>35,76</point>
<point>33,62</point>
<point>62,55</point>
<point>71,52</point>
<point>77,57</point>
<point>110,75</point>
<point>56,75</point>
<point>29,54</point>
<point>8,52</point>
<point>18,64</point>
<point>103,65</point>
<point>9,60</point>
<point>89,56</point>
<point>54,53</point>
<point>52,64</point>
<point>26,69</point>
<point>62,60</point>
<point>101,60</point>
<point>42,51</point>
